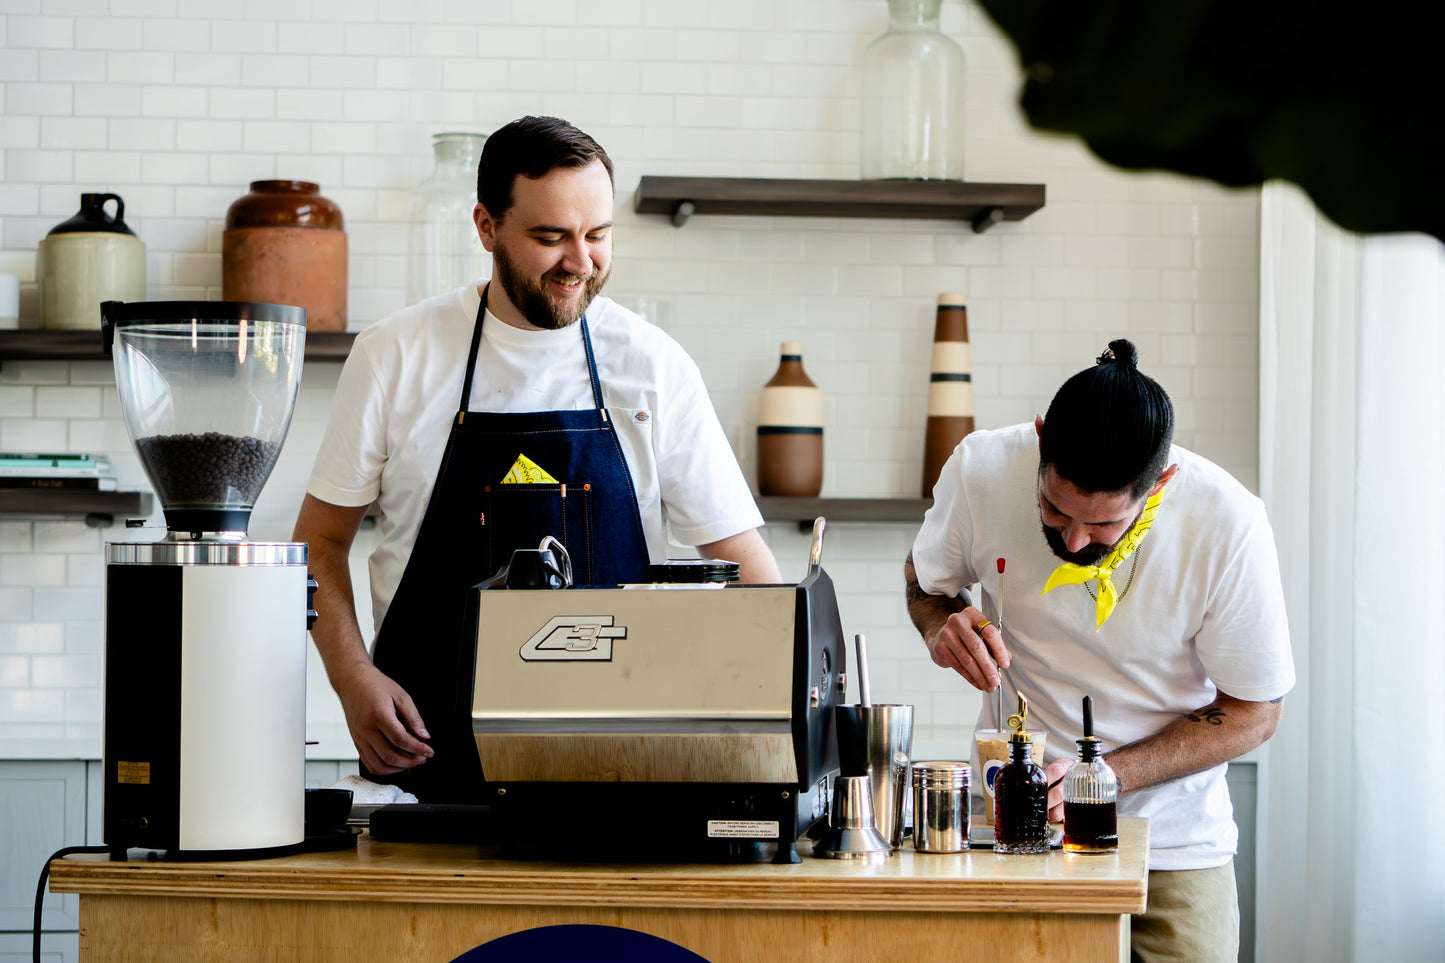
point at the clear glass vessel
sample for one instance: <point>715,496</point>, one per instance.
<point>1091,793</point>
<point>443,250</point>
<point>206,390</point>
<point>913,98</point>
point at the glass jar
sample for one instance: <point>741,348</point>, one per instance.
<point>443,249</point>
<point>912,121</point>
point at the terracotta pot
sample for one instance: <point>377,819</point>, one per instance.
<point>790,430</point>
<point>286,244</point>
<point>950,388</point>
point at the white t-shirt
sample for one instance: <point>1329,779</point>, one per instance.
<point>401,386</point>
<point>1205,613</point>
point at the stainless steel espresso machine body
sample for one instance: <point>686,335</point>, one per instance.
<point>205,631</point>
<point>664,721</point>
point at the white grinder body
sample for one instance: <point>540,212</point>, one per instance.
<point>205,697</point>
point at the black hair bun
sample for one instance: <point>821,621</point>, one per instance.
<point>1120,349</point>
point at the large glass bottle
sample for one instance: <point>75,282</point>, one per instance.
<point>443,250</point>
<point>912,121</point>
<point>1091,793</point>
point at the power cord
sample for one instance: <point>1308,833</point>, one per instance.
<point>45,874</point>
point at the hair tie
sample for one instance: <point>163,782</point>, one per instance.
<point>1120,350</point>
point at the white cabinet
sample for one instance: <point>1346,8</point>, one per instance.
<point>42,808</point>
<point>56,948</point>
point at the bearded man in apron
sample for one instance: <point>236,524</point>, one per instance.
<point>483,419</point>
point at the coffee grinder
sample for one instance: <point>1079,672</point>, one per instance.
<point>205,631</point>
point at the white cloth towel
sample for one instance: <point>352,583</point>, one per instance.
<point>364,792</point>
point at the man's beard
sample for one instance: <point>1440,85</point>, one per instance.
<point>1090,554</point>
<point>531,298</point>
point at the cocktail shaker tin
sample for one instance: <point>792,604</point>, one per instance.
<point>940,807</point>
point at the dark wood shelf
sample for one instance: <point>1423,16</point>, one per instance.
<point>982,205</point>
<point>96,509</point>
<point>43,345</point>
<point>776,508</point>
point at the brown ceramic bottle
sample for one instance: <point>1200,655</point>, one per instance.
<point>286,244</point>
<point>790,430</point>
<point>950,388</point>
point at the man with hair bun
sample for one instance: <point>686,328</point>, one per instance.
<point>1140,574</point>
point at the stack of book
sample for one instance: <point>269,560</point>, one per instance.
<point>70,471</point>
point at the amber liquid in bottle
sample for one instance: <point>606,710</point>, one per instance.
<point>1021,804</point>
<point>1090,827</point>
<point>1091,791</point>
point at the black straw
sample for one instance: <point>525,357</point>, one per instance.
<point>1088,717</point>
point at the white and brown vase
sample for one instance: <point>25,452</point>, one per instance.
<point>790,430</point>
<point>950,388</point>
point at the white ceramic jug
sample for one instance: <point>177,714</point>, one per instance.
<point>90,258</point>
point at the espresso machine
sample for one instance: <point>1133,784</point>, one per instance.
<point>686,718</point>
<point>205,631</point>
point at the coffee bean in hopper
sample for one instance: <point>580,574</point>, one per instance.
<point>207,469</point>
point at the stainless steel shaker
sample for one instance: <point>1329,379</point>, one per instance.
<point>886,732</point>
<point>940,807</point>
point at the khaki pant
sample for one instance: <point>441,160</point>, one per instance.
<point>1192,917</point>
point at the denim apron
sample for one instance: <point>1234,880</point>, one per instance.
<point>472,523</point>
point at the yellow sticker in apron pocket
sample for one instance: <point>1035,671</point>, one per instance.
<point>525,471</point>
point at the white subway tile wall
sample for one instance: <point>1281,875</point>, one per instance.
<point>177,104</point>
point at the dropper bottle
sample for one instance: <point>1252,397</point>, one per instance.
<point>1020,794</point>
<point>1091,792</point>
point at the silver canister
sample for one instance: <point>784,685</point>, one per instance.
<point>940,807</point>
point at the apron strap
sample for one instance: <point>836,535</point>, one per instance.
<point>477,344</point>
<point>592,371</point>
<point>472,354</point>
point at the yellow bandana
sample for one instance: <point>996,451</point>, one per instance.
<point>1071,574</point>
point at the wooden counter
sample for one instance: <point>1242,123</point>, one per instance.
<point>427,902</point>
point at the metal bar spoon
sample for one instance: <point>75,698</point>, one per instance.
<point>998,692</point>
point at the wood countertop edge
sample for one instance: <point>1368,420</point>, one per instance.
<point>864,893</point>
<point>1087,902</point>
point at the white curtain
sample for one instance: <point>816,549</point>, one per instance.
<point>1352,469</point>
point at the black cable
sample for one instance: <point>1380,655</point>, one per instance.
<point>45,874</point>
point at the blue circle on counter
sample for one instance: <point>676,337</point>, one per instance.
<point>596,944</point>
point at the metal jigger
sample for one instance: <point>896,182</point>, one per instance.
<point>853,834</point>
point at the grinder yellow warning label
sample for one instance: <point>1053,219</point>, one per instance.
<point>133,773</point>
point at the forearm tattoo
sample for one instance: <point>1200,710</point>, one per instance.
<point>1210,714</point>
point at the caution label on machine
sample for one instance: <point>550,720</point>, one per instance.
<point>742,828</point>
<point>133,773</point>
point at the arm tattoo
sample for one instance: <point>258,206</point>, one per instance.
<point>1210,714</point>
<point>915,593</point>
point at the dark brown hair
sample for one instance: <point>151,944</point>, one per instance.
<point>531,147</point>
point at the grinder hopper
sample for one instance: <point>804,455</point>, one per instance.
<point>207,389</point>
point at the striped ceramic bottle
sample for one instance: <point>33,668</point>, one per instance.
<point>950,388</point>
<point>790,430</point>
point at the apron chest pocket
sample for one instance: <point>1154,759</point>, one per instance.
<point>519,516</point>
